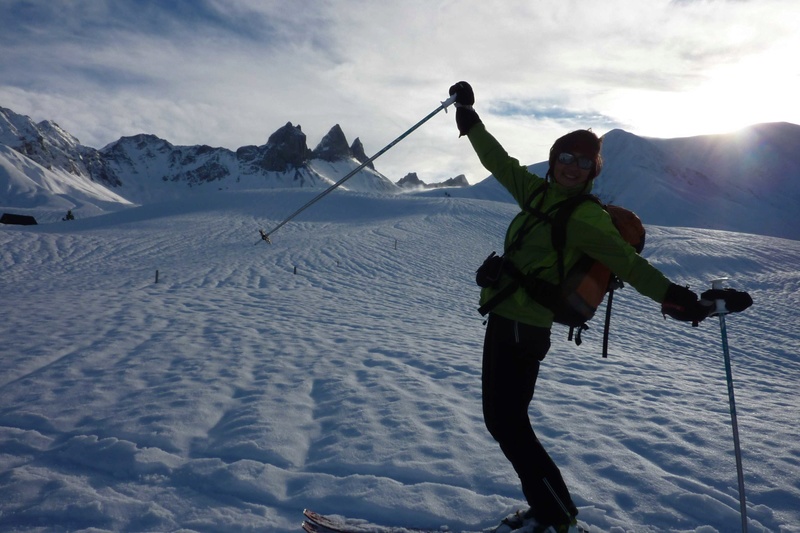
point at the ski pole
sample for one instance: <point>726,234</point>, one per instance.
<point>721,311</point>
<point>444,105</point>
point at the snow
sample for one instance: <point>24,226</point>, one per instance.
<point>237,390</point>
<point>28,187</point>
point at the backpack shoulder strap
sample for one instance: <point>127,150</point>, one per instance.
<point>540,191</point>
<point>563,212</point>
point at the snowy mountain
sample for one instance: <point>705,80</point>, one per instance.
<point>144,168</point>
<point>48,193</point>
<point>53,148</point>
<point>748,181</point>
<point>413,182</point>
<point>237,390</point>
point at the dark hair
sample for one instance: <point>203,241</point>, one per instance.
<point>583,141</point>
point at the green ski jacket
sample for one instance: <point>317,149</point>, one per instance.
<point>590,231</point>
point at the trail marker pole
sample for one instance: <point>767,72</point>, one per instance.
<point>265,235</point>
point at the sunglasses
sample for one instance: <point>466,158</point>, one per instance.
<point>567,158</point>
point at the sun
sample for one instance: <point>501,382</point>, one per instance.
<point>760,88</point>
<point>757,89</point>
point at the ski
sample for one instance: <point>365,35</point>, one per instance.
<point>319,523</point>
<point>311,527</point>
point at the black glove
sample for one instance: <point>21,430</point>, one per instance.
<point>463,92</point>
<point>735,301</point>
<point>682,304</point>
<point>466,117</point>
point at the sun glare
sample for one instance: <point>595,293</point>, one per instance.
<point>760,88</point>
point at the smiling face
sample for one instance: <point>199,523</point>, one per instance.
<point>575,158</point>
<point>571,175</point>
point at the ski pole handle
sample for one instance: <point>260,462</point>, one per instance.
<point>720,303</point>
<point>449,101</point>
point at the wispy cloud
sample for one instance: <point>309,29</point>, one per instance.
<point>230,72</point>
<point>544,111</point>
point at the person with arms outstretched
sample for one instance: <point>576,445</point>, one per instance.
<point>518,328</point>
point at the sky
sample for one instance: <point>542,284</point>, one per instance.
<point>230,72</point>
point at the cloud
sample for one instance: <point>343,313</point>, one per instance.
<point>230,72</point>
<point>542,111</point>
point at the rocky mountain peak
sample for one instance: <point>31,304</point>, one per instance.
<point>333,147</point>
<point>286,147</point>
<point>458,181</point>
<point>412,181</point>
<point>45,143</point>
<point>141,166</point>
<point>357,149</point>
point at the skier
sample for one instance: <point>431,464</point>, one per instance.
<point>518,328</point>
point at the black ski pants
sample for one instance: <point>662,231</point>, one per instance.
<point>512,353</point>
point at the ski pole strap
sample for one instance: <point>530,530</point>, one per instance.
<point>575,333</point>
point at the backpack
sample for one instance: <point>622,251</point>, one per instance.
<point>581,290</point>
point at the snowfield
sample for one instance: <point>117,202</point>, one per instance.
<point>339,369</point>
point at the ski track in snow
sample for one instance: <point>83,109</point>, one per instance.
<point>235,392</point>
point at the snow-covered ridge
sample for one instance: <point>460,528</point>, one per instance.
<point>748,181</point>
<point>144,168</point>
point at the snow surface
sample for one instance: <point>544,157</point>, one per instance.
<point>237,390</point>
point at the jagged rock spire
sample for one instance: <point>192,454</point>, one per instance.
<point>333,146</point>
<point>357,149</point>
<point>285,148</point>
